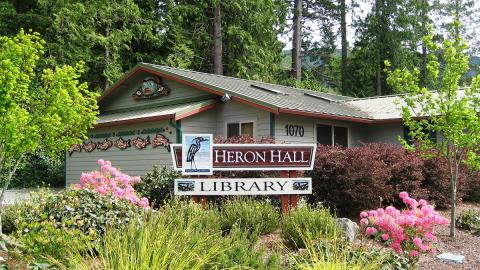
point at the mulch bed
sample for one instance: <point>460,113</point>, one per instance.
<point>465,244</point>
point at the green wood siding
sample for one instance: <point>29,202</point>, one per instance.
<point>132,161</point>
<point>204,122</point>
<point>233,111</point>
<point>122,100</point>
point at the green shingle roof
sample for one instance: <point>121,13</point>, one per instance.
<point>270,95</point>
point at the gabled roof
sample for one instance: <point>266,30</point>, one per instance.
<point>176,112</point>
<point>277,99</point>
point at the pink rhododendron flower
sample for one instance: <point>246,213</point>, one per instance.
<point>409,231</point>
<point>111,182</point>
<point>370,230</point>
<point>403,195</point>
<point>372,213</point>
<point>363,214</point>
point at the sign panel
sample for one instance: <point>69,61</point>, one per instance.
<point>254,157</point>
<point>197,154</point>
<point>243,186</point>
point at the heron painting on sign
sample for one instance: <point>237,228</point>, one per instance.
<point>197,154</point>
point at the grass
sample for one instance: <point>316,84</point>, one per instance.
<point>317,222</point>
<point>183,235</point>
<point>250,215</point>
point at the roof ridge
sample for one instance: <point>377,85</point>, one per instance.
<point>246,80</point>
<point>374,97</point>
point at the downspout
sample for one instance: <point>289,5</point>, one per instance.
<point>178,127</point>
<point>272,125</point>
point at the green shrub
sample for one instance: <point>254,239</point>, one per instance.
<point>250,215</point>
<point>315,221</point>
<point>86,211</point>
<point>45,241</point>
<point>10,218</point>
<point>40,170</point>
<point>469,220</point>
<point>157,185</point>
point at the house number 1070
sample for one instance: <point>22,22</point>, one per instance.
<point>294,130</point>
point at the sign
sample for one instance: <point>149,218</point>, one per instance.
<point>252,157</point>
<point>196,153</point>
<point>243,186</point>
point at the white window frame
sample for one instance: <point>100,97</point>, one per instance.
<point>240,127</point>
<point>333,131</point>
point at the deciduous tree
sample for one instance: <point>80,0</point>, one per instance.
<point>452,110</point>
<point>48,109</point>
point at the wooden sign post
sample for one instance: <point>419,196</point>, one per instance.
<point>198,156</point>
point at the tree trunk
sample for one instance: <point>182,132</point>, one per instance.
<point>423,15</point>
<point>297,40</point>
<point>453,197</point>
<point>379,39</point>
<point>107,59</point>
<point>217,40</point>
<point>343,30</point>
<point>378,80</point>
<point>2,194</point>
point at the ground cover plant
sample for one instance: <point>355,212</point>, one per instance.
<point>469,220</point>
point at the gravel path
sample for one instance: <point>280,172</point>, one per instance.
<point>465,244</point>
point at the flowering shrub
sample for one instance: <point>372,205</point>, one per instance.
<point>111,182</point>
<point>409,231</point>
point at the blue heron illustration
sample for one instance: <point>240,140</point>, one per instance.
<point>193,149</point>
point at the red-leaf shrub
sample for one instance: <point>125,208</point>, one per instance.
<point>370,176</point>
<point>352,179</point>
<point>472,187</point>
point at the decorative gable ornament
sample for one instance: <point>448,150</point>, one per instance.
<point>151,87</point>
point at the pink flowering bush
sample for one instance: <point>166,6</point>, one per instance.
<point>409,231</point>
<point>112,182</point>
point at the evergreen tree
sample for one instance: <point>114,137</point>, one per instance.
<point>249,30</point>
<point>386,33</point>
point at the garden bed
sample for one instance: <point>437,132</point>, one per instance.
<point>465,244</point>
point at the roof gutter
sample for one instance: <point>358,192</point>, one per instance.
<point>135,121</point>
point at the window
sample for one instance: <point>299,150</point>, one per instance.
<point>241,128</point>
<point>324,134</point>
<point>332,135</point>
<point>340,136</point>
